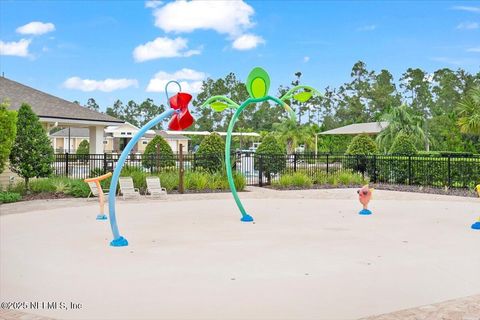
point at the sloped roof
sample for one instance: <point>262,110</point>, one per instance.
<point>46,105</point>
<point>169,135</point>
<point>359,128</point>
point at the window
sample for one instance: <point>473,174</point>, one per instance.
<point>105,142</point>
<point>123,133</point>
<point>144,142</point>
<point>129,133</point>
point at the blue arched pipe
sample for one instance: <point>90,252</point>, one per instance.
<point>118,240</point>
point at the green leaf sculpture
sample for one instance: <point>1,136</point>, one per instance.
<point>303,96</point>
<point>258,83</point>
<point>218,106</point>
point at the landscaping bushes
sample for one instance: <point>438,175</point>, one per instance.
<point>210,154</point>
<point>158,154</point>
<point>305,180</point>
<point>7,197</point>
<point>272,156</point>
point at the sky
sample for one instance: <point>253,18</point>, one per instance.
<point>128,50</point>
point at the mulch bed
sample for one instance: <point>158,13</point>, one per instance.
<point>393,187</point>
<point>45,196</point>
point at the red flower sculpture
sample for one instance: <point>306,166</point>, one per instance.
<point>182,118</point>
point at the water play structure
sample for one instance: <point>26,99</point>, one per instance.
<point>364,196</point>
<point>101,195</point>
<point>476,225</point>
<point>258,84</point>
<point>180,119</point>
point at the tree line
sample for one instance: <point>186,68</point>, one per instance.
<point>429,101</point>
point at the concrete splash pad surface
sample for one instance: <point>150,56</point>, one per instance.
<point>308,256</point>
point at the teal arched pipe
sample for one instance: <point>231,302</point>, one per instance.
<point>245,217</point>
<point>118,240</point>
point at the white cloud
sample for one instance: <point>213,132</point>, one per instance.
<point>190,80</point>
<point>306,59</point>
<point>19,48</point>
<point>153,3</point>
<point>107,85</point>
<point>468,25</point>
<point>225,17</point>
<point>36,28</point>
<point>247,42</point>
<point>477,49</point>
<point>467,8</point>
<point>163,47</point>
<point>370,27</point>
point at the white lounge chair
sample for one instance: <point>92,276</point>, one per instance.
<point>154,187</point>
<point>94,191</point>
<point>127,189</point>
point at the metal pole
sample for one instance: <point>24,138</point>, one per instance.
<point>180,170</point>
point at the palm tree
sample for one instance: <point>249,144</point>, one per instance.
<point>401,119</point>
<point>469,112</point>
<point>292,134</point>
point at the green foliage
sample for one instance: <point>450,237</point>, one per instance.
<point>158,154</point>
<point>77,188</point>
<point>469,112</point>
<point>210,154</point>
<point>42,185</point>
<point>403,146</point>
<point>32,153</point>
<point>272,158</point>
<point>402,120</point>
<point>7,197</point>
<point>83,148</point>
<point>362,144</point>
<point>297,179</point>
<point>344,178</point>
<point>8,131</point>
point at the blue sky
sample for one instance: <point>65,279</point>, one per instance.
<point>70,49</point>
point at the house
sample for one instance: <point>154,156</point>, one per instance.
<point>115,139</point>
<point>54,111</point>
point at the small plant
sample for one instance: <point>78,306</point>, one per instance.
<point>7,197</point>
<point>42,185</point>
<point>297,179</point>
<point>78,189</point>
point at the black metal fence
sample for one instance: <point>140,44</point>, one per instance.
<point>454,172</point>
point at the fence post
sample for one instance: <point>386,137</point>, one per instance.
<point>180,170</point>
<point>327,164</point>
<point>449,172</point>
<point>66,164</point>
<point>260,170</point>
<point>409,170</point>
<point>104,162</point>
<point>374,169</point>
<point>294,162</point>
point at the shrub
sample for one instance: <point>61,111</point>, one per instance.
<point>83,148</point>
<point>403,146</point>
<point>296,179</point>
<point>96,172</point>
<point>272,155</point>
<point>358,152</point>
<point>210,154</point>
<point>42,185</point>
<point>7,197</point>
<point>32,153</point>
<point>78,189</point>
<point>8,131</point>
<point>362,144</point>
<point>158,154</point>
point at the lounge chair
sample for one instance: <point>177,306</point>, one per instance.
<point>127,189</point>
<point>94,191</point>
<point>154,187</point>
